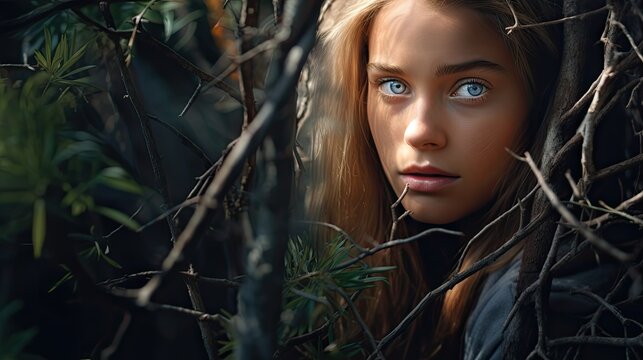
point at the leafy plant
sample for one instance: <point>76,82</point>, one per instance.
<point>164,13</point>
<point>59,63</point>
<point>48,169</point>
<point>314,294</point>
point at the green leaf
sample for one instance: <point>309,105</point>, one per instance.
<point>77,70</point>
<point>115,178</point>
<point>76,149</point>
<point>48,48</point>
<point>168,24</point>
<point>180,23</point>
<point>58,55</point>
<point>153,17</point>
<point>110,261</point>
<point>40,59</point>
<point>73,59</point>
<point>82,82</point>
<point>39,226</point>
<point>65,277</point>
<point>117,216</point>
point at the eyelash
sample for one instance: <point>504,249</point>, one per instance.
<point>475,81</point>
<point>477,99</point>
<point>382,81</point>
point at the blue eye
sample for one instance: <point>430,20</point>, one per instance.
<point>393,87</point>
<point>472,89</point>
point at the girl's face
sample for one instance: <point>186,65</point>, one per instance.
<point>444,101</point>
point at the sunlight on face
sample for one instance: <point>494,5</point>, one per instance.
<point>444,101</point>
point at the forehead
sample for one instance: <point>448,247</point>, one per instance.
<point>418,28</point>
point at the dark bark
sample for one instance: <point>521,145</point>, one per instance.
<point>576,71</point>
<point>260,296</point>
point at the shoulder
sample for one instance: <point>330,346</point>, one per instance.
<point>483,333</point>
<point>483,337</point>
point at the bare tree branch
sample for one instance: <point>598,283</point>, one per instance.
<point>571,219</point>
<point>636,341</point>
<point>517,25</point>
<point>233,164</point>
<point>370,251</point>
<point>461,276</point>
<point>118,337</point>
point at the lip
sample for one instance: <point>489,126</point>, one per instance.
<point>427,178</point>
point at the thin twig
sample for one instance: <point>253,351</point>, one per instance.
<point>360,321</point>
<point>629,217</point>
<point>147,274</point>
<point>524,295</point>
<point>199,315</point>
<point>636,341</point>
<point>570,218</point>
<point>300,339</point>
<point>518,26</point>
<point>204,179</point>
<point>184,140</point>
<point>396,219</point>
<point>616,168</point>
<point>43,12</point>
<point>231,168</point>
<point>336,228</point>
<point>580,103</point>
<point>593,117</point>
<point>168,52</point>
<point>207,333</point>
<point>492,223</point>
<point>118,337</point>
<point>609,307</point>
<point>461,276</point>
<point>629,38</point>
<point>572,184</point>
<point>192,98</point>
<point>621,207</point>
<point>137,22</point>
<point>120,227</point>
<point>393,243</point>
<point>589,126</point>
<point>19,66</point>
<point>542,292</point>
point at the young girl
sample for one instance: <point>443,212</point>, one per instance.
<point>426,97</point>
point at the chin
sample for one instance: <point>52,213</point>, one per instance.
<point>437,218</point>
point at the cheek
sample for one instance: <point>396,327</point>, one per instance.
<point>493,159</point>
<point>379,124</point>
<point>502,131</point>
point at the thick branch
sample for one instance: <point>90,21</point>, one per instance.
<point>522,334</point>
<point>231,168</point>
<point>260,296</point>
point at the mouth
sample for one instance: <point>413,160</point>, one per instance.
<point>427,179</point>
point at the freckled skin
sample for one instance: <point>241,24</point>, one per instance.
<point>436,121</point>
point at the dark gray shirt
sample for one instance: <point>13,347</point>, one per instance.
<point>483,335</point>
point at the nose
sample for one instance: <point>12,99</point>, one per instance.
<point>425,131</point>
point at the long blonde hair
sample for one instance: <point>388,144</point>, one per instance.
<point>350,190</point>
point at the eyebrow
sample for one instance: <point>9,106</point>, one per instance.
<point>396,70</point>
<point>469,65</point>
<point>442,69</point>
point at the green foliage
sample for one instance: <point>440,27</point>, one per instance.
<point>12,343</point>
<point>48,169</point>
<point>164,13</point>
<point>58,63</point>
<point>313,295</point>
